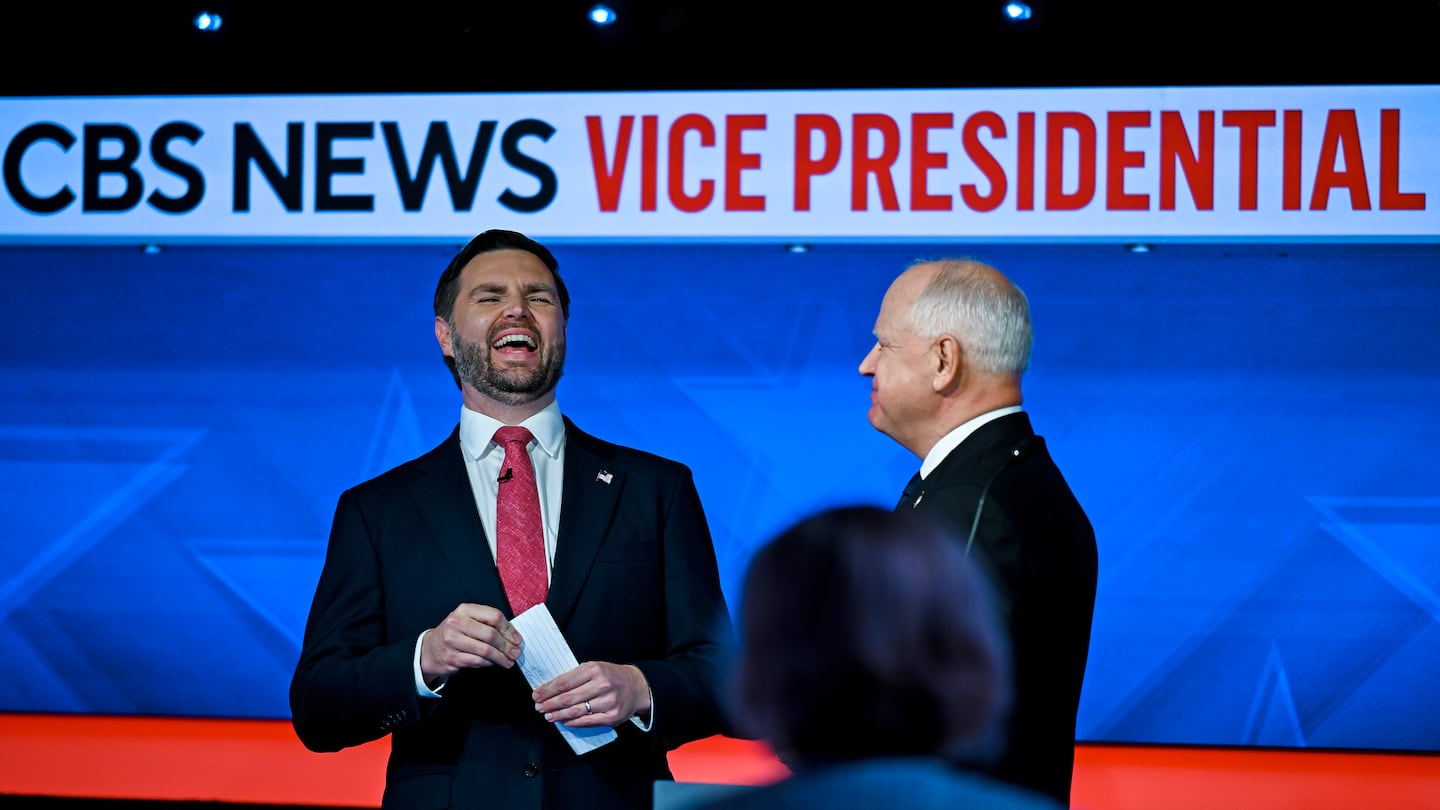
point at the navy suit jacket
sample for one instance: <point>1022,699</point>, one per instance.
<point>634,581</point>
<point>1038,544</point>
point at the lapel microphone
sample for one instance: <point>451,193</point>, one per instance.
<point>507,475</point>
<point>1018,453</point>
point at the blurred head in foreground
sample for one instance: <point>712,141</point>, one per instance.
<point>866,633</point>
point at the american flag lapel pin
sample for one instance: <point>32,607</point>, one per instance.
<point>604,476</point>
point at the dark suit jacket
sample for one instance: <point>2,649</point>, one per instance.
<point>883,784</point>
<point>1039,545</point>
<point>634,582</point>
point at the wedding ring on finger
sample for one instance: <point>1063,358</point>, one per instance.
<point>587,707</point>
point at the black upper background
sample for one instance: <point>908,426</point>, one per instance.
<point>148,47</point>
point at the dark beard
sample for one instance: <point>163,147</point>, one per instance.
<point>508,386</point>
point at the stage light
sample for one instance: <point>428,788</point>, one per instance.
<point>601,15</point>
<point>1017,11</point>
<point>208,21</point>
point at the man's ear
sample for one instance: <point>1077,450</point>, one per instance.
<point>442,335</point>
<point>945,357</point>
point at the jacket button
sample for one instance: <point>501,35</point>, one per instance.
<point>531,770</point>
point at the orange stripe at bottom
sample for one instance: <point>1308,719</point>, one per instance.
<point>261,762</point>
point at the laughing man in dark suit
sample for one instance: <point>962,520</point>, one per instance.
<point>410,631</point>
<point>952,340</point>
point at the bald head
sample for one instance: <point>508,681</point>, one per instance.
<point>977,304</point>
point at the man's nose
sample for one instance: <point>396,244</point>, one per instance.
<point>867,368</point>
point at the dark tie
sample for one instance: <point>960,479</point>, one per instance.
<point>519,536</point>
<point>912,491</point>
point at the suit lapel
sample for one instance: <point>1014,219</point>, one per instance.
<point>589,497</point>
<point>447,507</point>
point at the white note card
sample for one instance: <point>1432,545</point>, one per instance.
<point>545,655</point>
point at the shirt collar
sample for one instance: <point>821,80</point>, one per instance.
<point>952,440</point>
<point>477,431</point>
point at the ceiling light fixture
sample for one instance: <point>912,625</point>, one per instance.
<point>208,21</point>
<point>601,15</point>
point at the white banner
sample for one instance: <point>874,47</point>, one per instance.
<point>1348,163</point>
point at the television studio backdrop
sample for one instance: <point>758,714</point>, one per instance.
<point>216,317</point>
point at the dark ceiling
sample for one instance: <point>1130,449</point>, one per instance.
<point>83,48</point>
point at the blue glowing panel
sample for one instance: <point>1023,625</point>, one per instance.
<point>1252,429</point>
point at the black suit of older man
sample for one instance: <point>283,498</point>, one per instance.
<point>1040,547</point>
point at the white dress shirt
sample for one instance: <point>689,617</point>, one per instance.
<point>484,458</point>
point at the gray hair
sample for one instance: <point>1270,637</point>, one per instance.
<point>988,314</point>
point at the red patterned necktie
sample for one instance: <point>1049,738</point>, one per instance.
<point>519,537</point>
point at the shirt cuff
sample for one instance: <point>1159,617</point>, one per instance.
<point>420,688</point>
<point>641,724</point>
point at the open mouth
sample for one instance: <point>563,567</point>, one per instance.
<point>515,342</point>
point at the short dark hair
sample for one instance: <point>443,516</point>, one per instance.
<point>447,289</point>
<point>865,633</point>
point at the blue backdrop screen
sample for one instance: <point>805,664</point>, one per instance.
<point>1252,428</point>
